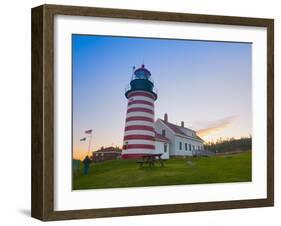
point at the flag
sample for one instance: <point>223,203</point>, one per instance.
<point>89,131</point>
<point>83,139</point>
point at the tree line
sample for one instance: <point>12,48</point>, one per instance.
<point>229,145</point>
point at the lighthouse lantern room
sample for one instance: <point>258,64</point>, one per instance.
<point>139,136</point>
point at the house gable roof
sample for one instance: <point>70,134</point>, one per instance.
<point>173,127</point>
<point>108,150</point>
<point>176,129</point>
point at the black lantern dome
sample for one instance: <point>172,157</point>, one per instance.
<point>141,80</point>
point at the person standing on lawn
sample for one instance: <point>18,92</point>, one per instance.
<point>86,163</point>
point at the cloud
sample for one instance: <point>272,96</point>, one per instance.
<point>217,125</point>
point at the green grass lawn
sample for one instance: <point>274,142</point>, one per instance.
<point>201,170</point>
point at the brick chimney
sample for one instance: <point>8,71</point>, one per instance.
<point>166,117</point>
<point>182,124</point>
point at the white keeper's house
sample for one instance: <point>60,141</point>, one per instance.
<point>173,141</point>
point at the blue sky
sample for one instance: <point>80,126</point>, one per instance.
<point>205,84</point>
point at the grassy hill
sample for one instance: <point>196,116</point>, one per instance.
<point>201,170</point>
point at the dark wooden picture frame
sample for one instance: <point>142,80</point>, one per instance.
<point>42,203</point>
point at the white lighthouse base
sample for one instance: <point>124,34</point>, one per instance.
<point>136,153</point>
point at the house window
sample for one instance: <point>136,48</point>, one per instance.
<point>198,147</point>
<point>163,132</point>
<point>185,146</point>
<point>189,147</point>
<point>193,147</point>
<point>180,145</point>
<point>165,147</point>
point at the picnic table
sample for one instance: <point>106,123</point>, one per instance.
<point>151,160</point>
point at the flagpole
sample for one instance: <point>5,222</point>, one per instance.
<point>90,140</point>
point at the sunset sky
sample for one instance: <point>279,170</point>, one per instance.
<point>205,84</point>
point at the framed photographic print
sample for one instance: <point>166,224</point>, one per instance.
<point>141,112</point>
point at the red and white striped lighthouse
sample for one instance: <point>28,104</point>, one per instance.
<point>139,136</point>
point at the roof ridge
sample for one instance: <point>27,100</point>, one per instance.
<point>177,125</point>
<point>176,129</point>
